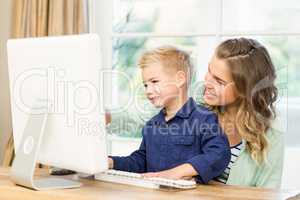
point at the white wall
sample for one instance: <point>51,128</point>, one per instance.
<point>5,115</point>
<point>291,168</point>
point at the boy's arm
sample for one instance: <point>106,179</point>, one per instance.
<point>207,165</point>
<point>215,157</point>
<point>136,162</point>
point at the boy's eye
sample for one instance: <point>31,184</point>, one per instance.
<point>154,81</point>
<point>145,85</point>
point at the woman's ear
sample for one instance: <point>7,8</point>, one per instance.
<point>181,79</point>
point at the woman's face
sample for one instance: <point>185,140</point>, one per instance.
<point>220,90</point>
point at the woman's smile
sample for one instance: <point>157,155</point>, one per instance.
<point>209,94</point>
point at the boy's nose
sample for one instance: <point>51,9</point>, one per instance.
<point>149,90</point>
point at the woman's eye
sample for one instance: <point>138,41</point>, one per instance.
<point>155,81</point>
<point>220,82</point>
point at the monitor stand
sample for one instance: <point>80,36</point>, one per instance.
<point>24,165</point>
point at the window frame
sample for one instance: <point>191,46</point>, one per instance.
<point>101,22</point>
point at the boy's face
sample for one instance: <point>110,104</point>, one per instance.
<point>161,86</point>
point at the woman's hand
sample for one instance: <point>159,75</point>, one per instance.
<point>169,174</point>
<point>185,171</point>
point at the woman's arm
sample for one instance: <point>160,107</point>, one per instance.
<point>184,171</point>
<point>271,172</point>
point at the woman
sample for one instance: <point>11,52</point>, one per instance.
<point>239,86</point>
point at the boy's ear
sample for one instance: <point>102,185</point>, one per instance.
<point>180,78</point>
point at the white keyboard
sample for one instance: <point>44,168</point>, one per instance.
<point>136,179</point>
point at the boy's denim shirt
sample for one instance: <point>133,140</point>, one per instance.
<point>192,136</point>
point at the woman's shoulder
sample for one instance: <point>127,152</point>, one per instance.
<point>275,133</point>
<point>275,138</point>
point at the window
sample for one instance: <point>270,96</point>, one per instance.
<point>130,26</point>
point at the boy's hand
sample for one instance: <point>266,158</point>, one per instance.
<point>110,163</point>
<point>185,171</point>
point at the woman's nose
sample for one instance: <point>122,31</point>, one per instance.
<point>208,80</point>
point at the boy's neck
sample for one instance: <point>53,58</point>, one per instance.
<point>174,106</point>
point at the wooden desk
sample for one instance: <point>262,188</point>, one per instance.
<point>93,190</point>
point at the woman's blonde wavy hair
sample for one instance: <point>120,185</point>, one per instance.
<point>253,74</point>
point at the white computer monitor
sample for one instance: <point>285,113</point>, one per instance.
<point>60,76</point>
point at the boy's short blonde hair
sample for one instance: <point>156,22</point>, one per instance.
<point>170,58</point>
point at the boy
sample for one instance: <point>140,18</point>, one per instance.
<point>183,140</point>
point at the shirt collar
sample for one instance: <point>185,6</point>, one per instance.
<point>184,112</point>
